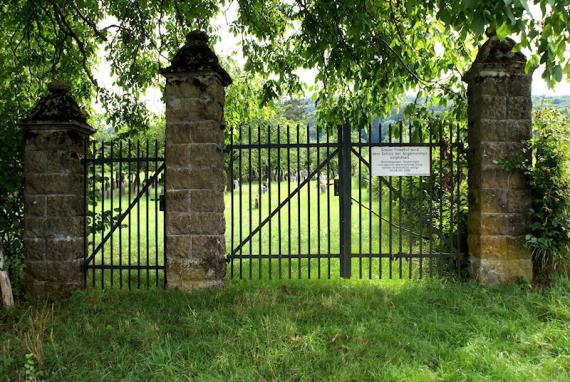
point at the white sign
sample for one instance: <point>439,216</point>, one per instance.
<point>401,161</point>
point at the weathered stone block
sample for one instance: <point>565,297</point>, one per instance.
<point>194,132</point>
<point>178,155</point>
<point>207,201</point>
<point>178,223</point>
<point>194,109</point>
<point>55,271</point>
<point>180,246</point>
<point>503,131</point>
<point>491,86</point>
<point>204,178</point>
<point>178,200</point>
<point>209,247</point>
<point>520,200</point>
<point>195,86</point>
<point>207,154</point>
<point>511,224</point>
<point>34,249</point>
<point>519,108</point>
<point>207,223</point>
<point>487,107</point>
<point>64,249</point>
<point>35,205</point>
<point>520,85</point>
<point>53,184</point>
<point>490,200</point>
<point>65,205</point>
<point>499,271</point>
<point>35,161</point>
<point>498,179</point>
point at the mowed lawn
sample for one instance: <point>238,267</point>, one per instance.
<point>342,330</point>
<point>306,225</point>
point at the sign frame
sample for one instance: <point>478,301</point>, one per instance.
<point>376,166</point>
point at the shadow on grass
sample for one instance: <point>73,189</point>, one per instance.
<point>299,330</point>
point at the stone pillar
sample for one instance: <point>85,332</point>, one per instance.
<point>195,177</point>
<point>499,117</point>
<point>54,138</point>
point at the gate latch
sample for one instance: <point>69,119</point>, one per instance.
<point>161,202</point>
<point>336,186</point>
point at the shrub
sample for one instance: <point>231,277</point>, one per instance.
<point>548,174</point>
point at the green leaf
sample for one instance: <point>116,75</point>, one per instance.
<point>558,73</point>
<point>478,25</point>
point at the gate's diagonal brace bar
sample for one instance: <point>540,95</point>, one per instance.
<point>388,220</point>
<point>145,188</point>
<point>282,204</point>
<point>397,192</point>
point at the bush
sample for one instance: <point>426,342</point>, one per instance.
<point>548,174</point>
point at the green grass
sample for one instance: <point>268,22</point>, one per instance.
<point>313,228</point>
<point>349,330</point>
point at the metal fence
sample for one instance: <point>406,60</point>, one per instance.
<point>124,232</point>
<point>303,203</point>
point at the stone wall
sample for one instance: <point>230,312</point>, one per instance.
<point>195,178</point>
<point>54,138</point>
<point>499,118</point>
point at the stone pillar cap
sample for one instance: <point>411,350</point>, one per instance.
<point>58,108</point>
<point>196,56</point>
<point>497,59</point>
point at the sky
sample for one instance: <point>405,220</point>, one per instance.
<point>229,46</point>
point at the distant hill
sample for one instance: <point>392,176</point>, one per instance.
<point>558,102</point>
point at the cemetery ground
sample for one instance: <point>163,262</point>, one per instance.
<point>319,329</point>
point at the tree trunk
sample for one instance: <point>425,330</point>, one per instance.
<point>5,287</point>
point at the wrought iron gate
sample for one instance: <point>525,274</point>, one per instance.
<point>124,235</point>
<point>303,203</point>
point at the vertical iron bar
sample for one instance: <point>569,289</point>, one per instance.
<point>94,221</point>
<point>269,197</point>
<point>85,211</point>
<point>431,200</point>
<point>112,270</point>
<point>289,193</point>
<point>138,178</point>
<point>250,202</point>
<point>421,204</point>
<point>308,205</point>
<point>318,208</point>
<point>390,207</point>
<point>240,197</point>
<point>328,206</point>
<point>441,237</point>
<point>400,194</point>
<point>451,189</point>
<point>232,203</point>
<point>370,201</point>
<point>458,199</point>
<point>359,203</point>
<point>346,201</point>
<point>129,235</point>
<point>120,181</point>
<point>103,214</point>
<point>146,217</point>
<point>279,199</point>
<point>260,194</point>
<point>298,203</point>
<point>410,206</point>
<point>156,201</point>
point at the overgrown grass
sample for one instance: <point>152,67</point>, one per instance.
<point>296,330</point>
